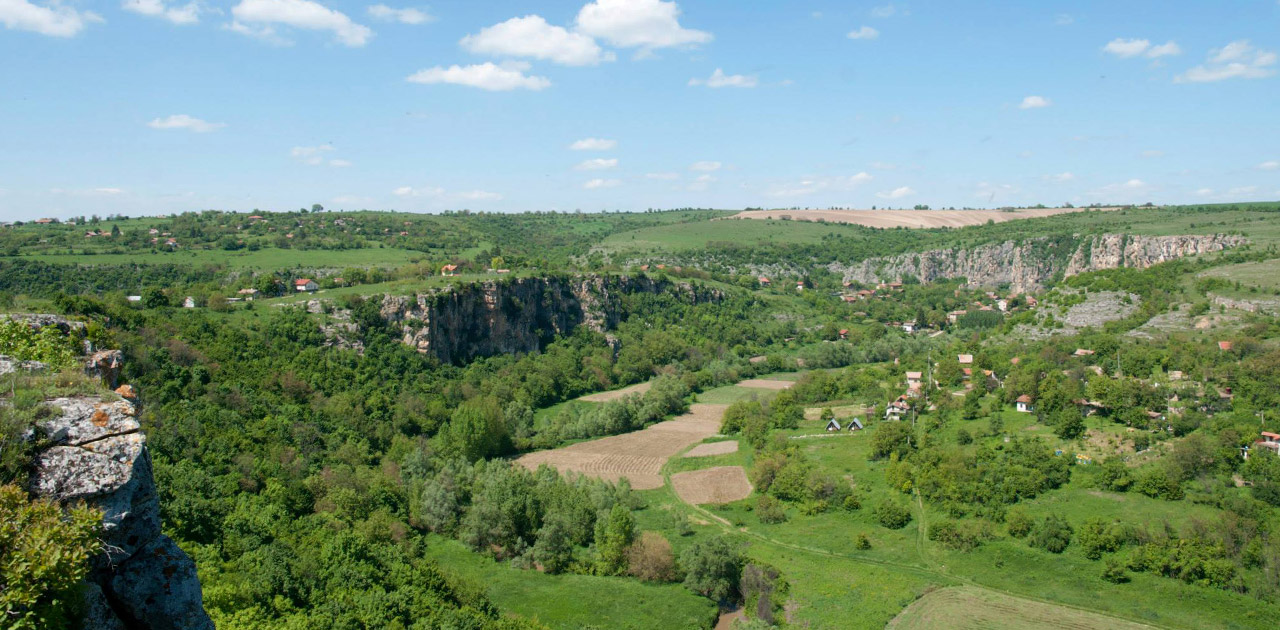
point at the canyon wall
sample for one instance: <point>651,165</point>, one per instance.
<point>459,324</point>
<point>1028,265</point>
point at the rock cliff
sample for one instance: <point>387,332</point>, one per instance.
<point>142,581</point>
<point>1030,264</point>
<point>457,325</point>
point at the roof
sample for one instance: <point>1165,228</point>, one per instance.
<point>301,281</point>
<point>1024,398</point>
<point>1274,436</point>
<point>915,374</point>
<point>1082,352</point>
<point>1224,345</point>
<point>449,267</point>
<point>965,358</point>
<point>855,423</point>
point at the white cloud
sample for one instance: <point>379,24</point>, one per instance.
<point>108,191</point>
<point>865,32</point>
<point>186,14</point>
<point>318,155</point>
<point>410,191</point>
<point>1034,102</point>
<point>1242,190</point>
<point>896,193</point>
<point>258,17</point>
<point>601,183</point>
<point>719,79</point>
<point>888,10</point>
<point>478,195</point>
<point>705,166</point>
<point>1269,165</point>
<point>812,185</point>
<point>486,76</point>
<point>593,144</point>
<point>1126,47</point>
<point>54,20</point>
<point>1063,177</point>
<point>597,164</point>
<point>404,16</point>
<point>644,24</point>
<point>532,36</point>
<point>1237,60</point>
<point>183,121</point>
<point>1204,192</point>
<point>1163,50</point>
<point>662,176</point>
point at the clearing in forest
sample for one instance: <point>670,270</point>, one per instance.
<point>910,218</point>
<point>638,388</point>
<point>721,484</point>
<point>966,607</point>
<point>637,456</point>
<point>714,448</point>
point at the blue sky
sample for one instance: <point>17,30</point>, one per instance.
<point>158,106</point>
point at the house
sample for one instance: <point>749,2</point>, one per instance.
<point>1270,441</point>
<point>255,217</point>
<point>44,221</point>
<point>449,270</point>
<point>153,231</point>
<point>964,359</point>
<point>1081,352</point>
<point>844,333</point>
<point>854,425</point>
<point>1031,302</point>
<point>966,374</point>
<point>913,379</point>
<point>832,425</point>
<point>764,282</point>
<point>171,243</point>
<point>305,284</point>
<point>953,316</point>
<point>909,327</point>
<point>248,294</point>
<point>895,286</point>
<point>1002,304</point>
<point>991,381</point>
<point>799,285</point>
<point>644,267</point>
<point>1224,345</point>
<point>1089,407</point>
<point>133,298</point>
<point>1023,404</point>
<point>190,302</point>
<point>1175,375</point>
<point>897,408</point>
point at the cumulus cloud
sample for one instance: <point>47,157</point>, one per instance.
<point>1237,60</point>
<point>1063,177</point>
<point>410,191</point>
<point>644,24</point>
<point>719,79</point>
<point>1125,48</point>
<point>53,20</point>
<point>1269,165</point>
<point>1034,102</point>
<point>888,10</point>
<point>597,164</point>
<point>185,14</point>
<point>486,76</point>
<point>896,193</point>
<point>593,144</point>
<point>810,185</point>
<point>705,166</point>
<point>317,156</point>
<point>601,183</point>
<point>865,32</point>
<point>183,121</point>
<point>260,17</point>
<point>404,16</point>
<point>532,36</point>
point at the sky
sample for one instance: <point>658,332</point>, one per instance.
<point>144,107</point>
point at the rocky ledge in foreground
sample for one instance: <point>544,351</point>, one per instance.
<point>99,455</point>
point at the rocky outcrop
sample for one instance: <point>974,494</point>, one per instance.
<point>105,366</point>
<point>457,325</point>
<point>142,580</point>
<point>1028,265</point>
<point>9,365</point>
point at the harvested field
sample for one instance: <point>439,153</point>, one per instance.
<point>910,218</point>
<point>760,383</point>
<point>637,456</point>
<point>966,607</point>
<point>721,484</point>
<point>714,448</point>
<point>638,388</point>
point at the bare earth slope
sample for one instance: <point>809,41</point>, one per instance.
<point>964,608</point>
<point>909,218</point>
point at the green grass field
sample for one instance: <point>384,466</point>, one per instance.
<point>574,602</point>
<point>969,608</point>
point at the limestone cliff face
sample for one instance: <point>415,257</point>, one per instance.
<point>142,580</point>
<point>519,314</point>
<point>1028,265</point>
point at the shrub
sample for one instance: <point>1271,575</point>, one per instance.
<point>650,559</point>
<point>1053,534</point>
<point>862,543</point>
<point>770,510</point>
<point>961,536</point>
<point>44,553</point>
<point>713,568</point>
<point>892,514</point>
<point>1115,573</point>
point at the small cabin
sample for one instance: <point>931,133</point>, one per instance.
<point>833,425</point>
<point>854,425</point>
<point>1023,404</point>
<point>306,285</point>
<point>190,302</point>
<point>449,270</point>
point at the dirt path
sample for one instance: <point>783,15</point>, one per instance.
<point>638,388</point>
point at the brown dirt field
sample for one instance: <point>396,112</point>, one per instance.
<point>760,383</point>
<point>638,388</point>
<point>714,448</point>
<point>721,484</point>
<point>967,607</point>
<point>637,456</point>
<point>910,218</point>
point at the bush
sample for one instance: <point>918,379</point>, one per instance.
<point>961,536</point>
<point>891,437</point>
<point>1019,523</point>
<point>1115,573</point>
<point>1053,534</point>
<point>1156,483</point>
<point>769,510</point>
<point>650,559</point>
<point>892,514</point>
<point>44,553</point>
<point>713,568</point>
<point>862,543</point>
